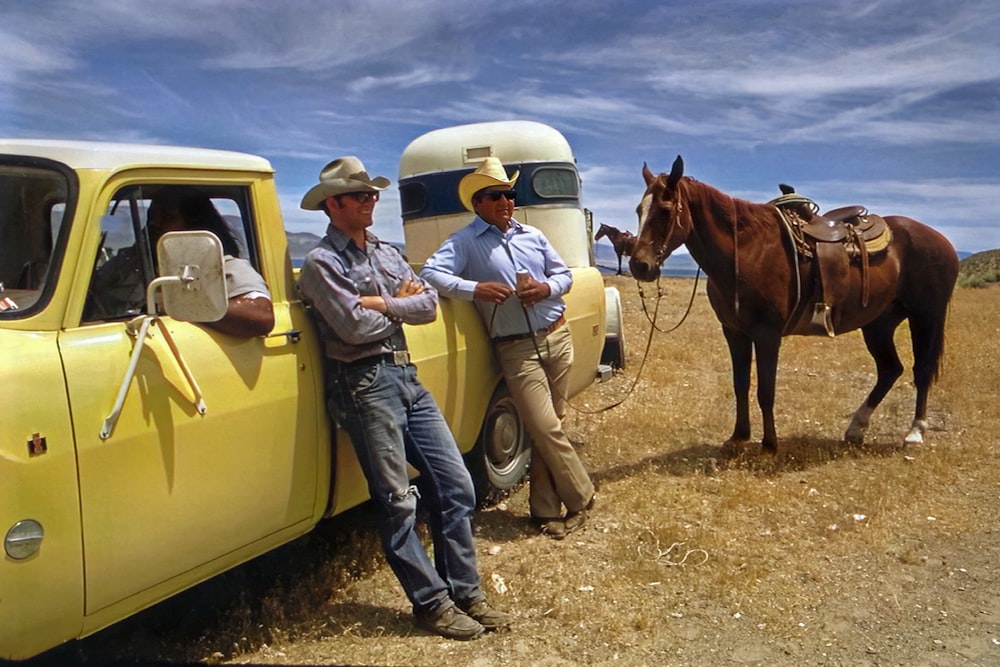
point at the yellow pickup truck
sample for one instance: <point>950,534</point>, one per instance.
<point>142,452</point>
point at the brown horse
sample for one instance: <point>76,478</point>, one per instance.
<point>622,242</point>
<point>762,289</point>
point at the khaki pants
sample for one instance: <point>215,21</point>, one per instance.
<point>557,475</point>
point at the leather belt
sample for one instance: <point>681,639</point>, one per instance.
<point>540,332</point>
<point>395,358</point>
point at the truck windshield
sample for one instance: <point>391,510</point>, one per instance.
<point>33,204</point>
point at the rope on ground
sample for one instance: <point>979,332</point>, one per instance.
<point>669,555</point>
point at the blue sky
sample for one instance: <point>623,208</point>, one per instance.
<point>892,104</point>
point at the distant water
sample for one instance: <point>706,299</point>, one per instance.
<point>669,271</point>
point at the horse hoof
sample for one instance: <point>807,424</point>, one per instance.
<point>916,434</point>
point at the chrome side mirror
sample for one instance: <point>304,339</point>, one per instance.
<point>192,278</point>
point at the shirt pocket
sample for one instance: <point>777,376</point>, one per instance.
<point>364,281</point>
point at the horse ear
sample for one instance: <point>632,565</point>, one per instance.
<point>676,172</point>
<point>647,174</point>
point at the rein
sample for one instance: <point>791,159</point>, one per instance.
<point>645,352</point>
<point>635,381</point>
<point>659,295</point>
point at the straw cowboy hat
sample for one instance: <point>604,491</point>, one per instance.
<point>489,173</point>
<point>345,174</point>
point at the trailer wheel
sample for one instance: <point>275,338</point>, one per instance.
<point>613,353</point>
<point>499,461</point>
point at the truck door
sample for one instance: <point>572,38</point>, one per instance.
<point>174,495</point>
<point>41,560</point>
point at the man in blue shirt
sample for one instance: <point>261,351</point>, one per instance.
<point>516,281</point>
<point>362,291</point>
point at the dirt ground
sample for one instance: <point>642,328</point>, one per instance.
<point>820,555</point>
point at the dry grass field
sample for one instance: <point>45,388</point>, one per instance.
<point>820,555</point>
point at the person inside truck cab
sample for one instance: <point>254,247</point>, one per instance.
<point>119,287</point>
<point>362,291</point>
<point>179,208</point>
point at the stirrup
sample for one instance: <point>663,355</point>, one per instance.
<point>821,318</point>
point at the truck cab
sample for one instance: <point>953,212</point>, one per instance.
<point>98,526</point>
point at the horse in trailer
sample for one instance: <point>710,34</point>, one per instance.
<point>778,270</point>
<point>622,242</point>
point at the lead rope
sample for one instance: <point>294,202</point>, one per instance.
<point>541,360</point>
<point>628,392</point>
<point>649,339</point>
<point>659,295</point>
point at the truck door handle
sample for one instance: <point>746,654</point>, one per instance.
<point>293,335</point>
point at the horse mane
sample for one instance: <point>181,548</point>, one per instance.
<point>747,214</point>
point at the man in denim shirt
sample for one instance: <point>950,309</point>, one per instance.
<point>362,291</point>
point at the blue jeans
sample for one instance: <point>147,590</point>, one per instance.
<point>392,419</point>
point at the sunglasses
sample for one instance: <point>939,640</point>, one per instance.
<point>495,195</point>
<point>361,197</point>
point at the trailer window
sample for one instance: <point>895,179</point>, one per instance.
<point>412,198</point>
<point>556,183</point>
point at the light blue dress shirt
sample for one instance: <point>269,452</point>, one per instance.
<point>479,252</point>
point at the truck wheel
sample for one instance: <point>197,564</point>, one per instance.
<point>500,459</point>
<point>613,353</point>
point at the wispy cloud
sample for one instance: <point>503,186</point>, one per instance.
<point>836,94</point>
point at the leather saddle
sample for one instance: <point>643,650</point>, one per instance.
<point>834,240</point>
<point>846,224</point>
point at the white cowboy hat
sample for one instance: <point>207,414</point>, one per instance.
<point>487,174</point>
<point>345,174</point>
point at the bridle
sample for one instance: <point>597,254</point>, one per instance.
<point>660,255</point>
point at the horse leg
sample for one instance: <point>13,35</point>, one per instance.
<point>767,373</point>
<point>619,264</point>
<point>878,339</point>
<point>741,354</point>
<point>927,335</point>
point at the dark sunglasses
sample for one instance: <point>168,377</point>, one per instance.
<point>494,195</point>
<point>361,197</point>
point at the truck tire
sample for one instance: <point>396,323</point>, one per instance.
<point>613,353</point>
<point>499,461</point>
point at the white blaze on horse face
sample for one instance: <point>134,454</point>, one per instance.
<point>644,206</point>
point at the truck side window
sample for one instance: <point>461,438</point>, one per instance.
<point>126,258</point>
<point>33,203</point>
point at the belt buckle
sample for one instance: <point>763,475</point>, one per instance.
<point>400,357</point>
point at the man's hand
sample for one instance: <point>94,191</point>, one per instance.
<point>492,292</point>
<point>533,291</point>
<point>410,288</point>
<point>378,304</point>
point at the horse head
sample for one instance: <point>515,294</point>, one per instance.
<point>662,227</point>
<point>603,230</point>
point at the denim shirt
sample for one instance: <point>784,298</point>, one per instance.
<point>334,277</point>
<point>479,252</point>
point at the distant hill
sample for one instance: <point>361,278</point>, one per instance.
<point>979,269</point>
<point>299,243</point>
<point>678,266</point>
